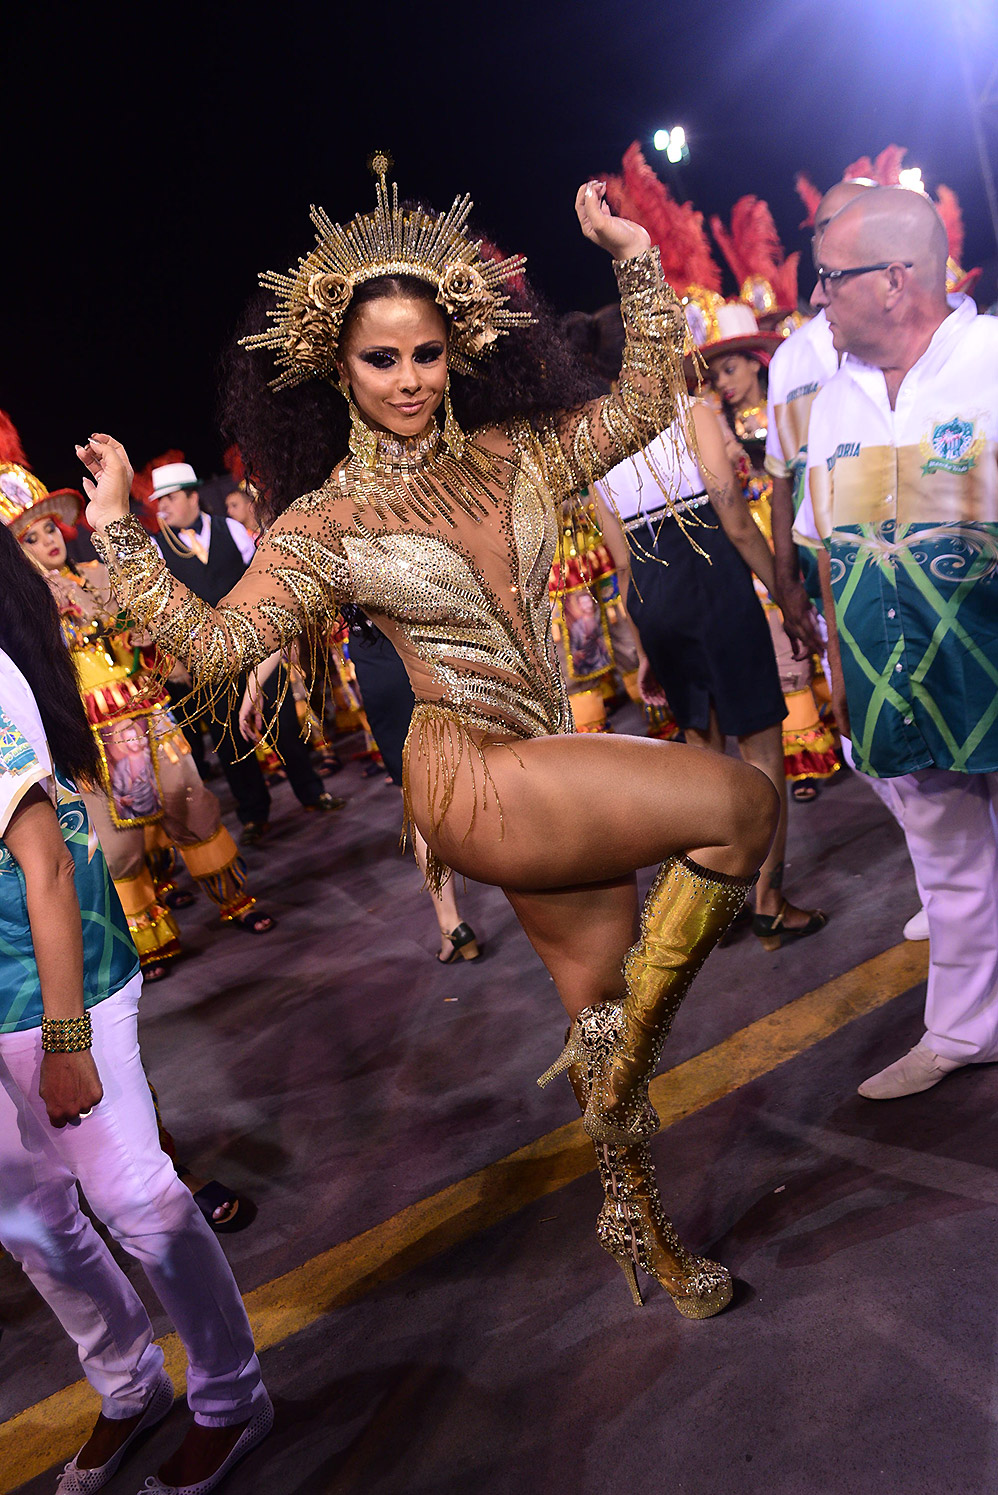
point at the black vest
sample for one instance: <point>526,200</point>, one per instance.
<point>225,565</point>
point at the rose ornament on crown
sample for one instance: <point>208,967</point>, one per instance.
<point>395,239</point>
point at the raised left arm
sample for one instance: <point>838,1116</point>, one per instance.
<point>585,444</point>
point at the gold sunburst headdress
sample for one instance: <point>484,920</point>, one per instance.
<point>393,240</point>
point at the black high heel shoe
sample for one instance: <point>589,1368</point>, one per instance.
<point>464,945</point>
<point>771,932</point>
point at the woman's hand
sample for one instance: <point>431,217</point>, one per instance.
<point>250,715</point>
<point>648,687</point>
<point>110,480</point>
<point>800,619</point>
<point>618,236</point>
<point>70,1086</point>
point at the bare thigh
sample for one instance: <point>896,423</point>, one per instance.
<point>559,812</point>
<point>561,824</point>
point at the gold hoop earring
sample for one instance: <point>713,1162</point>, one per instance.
<point>362,441</point>
<point>453,435</point>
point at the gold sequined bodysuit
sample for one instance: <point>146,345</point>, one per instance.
<point>449,557</point>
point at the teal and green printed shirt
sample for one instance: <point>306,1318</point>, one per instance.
<point>109,958</point>
<point>906,503</point>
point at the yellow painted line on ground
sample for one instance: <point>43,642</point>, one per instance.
<point>51,1431</point>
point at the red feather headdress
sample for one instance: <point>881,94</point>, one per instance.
<point>677,228</point>
<point>753,250</point>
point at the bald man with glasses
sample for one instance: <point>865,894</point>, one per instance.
<point>902,499</point>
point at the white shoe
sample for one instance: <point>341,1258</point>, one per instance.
<point>920,1069</point>
<point>253,1433</point>
<point>917,927</point>
<point>76,1481</point>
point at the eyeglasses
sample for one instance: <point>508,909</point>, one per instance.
<point>833,277</point>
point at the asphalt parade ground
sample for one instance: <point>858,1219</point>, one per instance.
<point>432,1308</point>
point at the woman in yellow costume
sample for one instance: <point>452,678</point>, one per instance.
<point>151,778</point>
<point>444,535</point>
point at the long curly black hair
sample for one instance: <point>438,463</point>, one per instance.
<point>291,439</point>
<point>31,635</point>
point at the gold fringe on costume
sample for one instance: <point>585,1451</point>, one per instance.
<point>443,739</point>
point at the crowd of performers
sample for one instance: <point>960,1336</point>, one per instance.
<point>525,523</point>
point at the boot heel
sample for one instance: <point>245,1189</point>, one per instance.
<point>564,1061</point>
<point>627,1267</point>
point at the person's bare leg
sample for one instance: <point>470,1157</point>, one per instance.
<point>582,935</point>
<point>713,738</point>
<point>561,824</point>
<point>574,817</point>
<point>444,902</point>
<point>764,750</point>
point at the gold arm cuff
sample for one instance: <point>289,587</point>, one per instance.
<point>643,272</point>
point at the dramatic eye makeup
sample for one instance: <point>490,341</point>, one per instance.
<point>384,358</point>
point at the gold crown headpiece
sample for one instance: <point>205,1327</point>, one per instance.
<point>393,240</point>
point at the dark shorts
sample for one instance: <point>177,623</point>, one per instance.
<point>704,629</point>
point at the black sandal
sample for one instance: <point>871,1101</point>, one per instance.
<point>157,970</point>
<point>771,931</point>
<point>463,945</point>
<point>255,921</point>
<point>179,898</point>
<point>214,1196</point>
<point>804,791</point>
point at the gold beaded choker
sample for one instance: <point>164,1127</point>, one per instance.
<point>398,454</point>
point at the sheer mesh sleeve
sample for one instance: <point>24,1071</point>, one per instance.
<point>294,583</point>
<point>583,445</point>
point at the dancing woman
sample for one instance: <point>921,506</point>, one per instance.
<point>446,540</point>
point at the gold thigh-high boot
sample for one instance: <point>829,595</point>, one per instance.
<point>634,1228</point>
<point>687,910</point>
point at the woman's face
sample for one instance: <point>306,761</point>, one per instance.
<point>395,361</point>
<point>238,507</point>
<point>45,543</point>
<point>736,379</point>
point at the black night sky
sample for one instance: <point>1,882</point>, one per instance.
<point>156,157</point>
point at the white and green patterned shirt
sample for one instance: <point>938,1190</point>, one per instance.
<point>109,958</point>
<point>906,503</point>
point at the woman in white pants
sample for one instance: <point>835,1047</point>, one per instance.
<point>75,1107</point>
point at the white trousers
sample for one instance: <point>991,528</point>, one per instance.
<point>950,822</point>
<point>130,1184</point>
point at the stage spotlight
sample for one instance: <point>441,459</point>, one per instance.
<point>911,177</point>
<point>673,143</point>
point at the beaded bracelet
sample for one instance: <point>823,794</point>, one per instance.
<point>66,1035</point>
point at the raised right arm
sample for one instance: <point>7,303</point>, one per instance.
<point>297,577</point>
